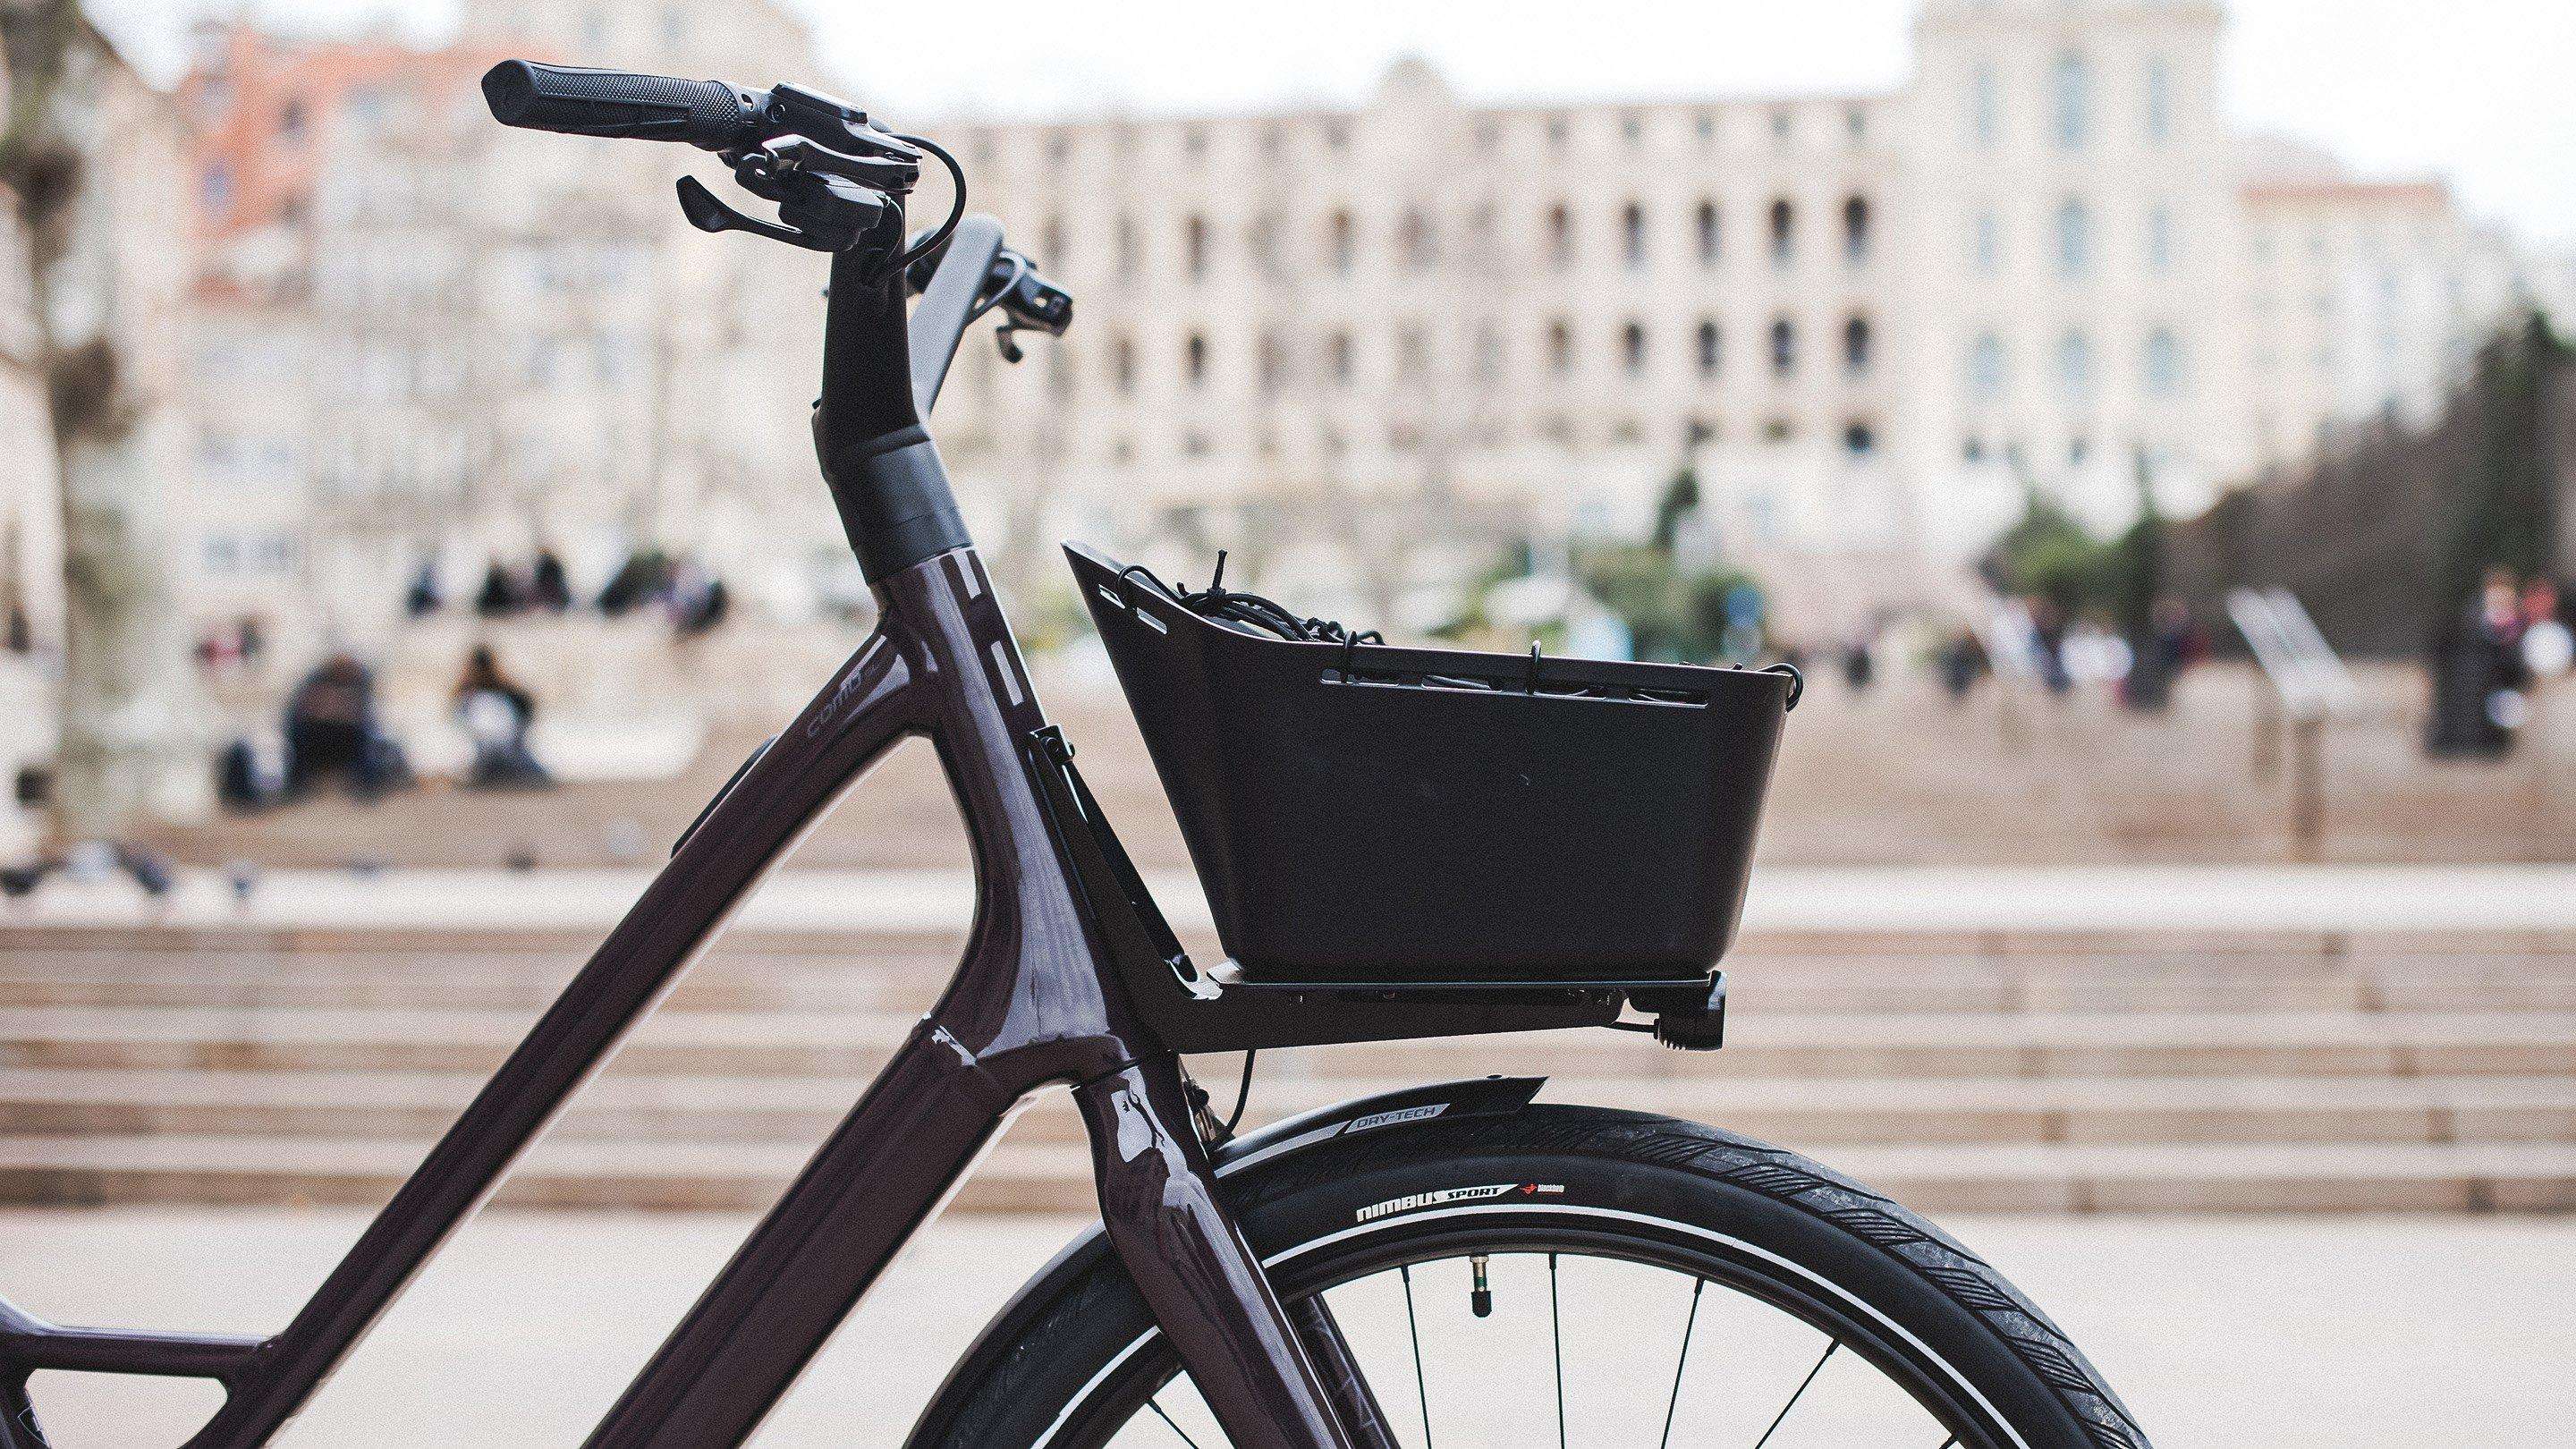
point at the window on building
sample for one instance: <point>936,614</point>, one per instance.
<point>2160,241</point>
<point>2074,237</point>
<point>1632,234</point>
<point>1274,362</point>
<point>1051,244</point>
<point>1344,243</point>
<point>1560,236</point>
<point>1986,241</point>
<point>2159,100</point>
<point>290,122</point>
<point>1340,351</point>
<point>1855,122</point>
<point>1856,230</point>
<point>2073,99</point>
<point>1122,365</point>
<point>1194,244</point>
<point>1632,348</point>
<point>1986,367</point>
<point>2075,364</point>
<point>1704,125</point>
<point>1632,129</point>
<point>1412,352</point>
<point>2162,364</point>
<point>1856,342</point>
<point>1194,142</point>
<point>1556,132</point>
<point>1337,134</point>
<point>1707,348</point>
<point>1985,105</point>
<point>1264,240</point>
<point>1784,232</point>
<point>1858,437</point>
<point>1127,248</point>
<point>1421,245</point>
<point>1784,346</point>
<point>1194,358</point>
<point>1780,126</point>
<point>1708,237</point>
<point>1777,430</point>
<point>1560,348</point>
<point>215,188</point>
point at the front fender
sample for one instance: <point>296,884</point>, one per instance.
<point>1385,1112</point>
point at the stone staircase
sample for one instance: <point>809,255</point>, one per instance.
<point>2014,1070</point>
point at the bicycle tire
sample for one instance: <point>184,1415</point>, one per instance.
<point>1065,1370</point>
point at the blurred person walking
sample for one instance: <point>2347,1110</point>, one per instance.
<point>2479,676</point>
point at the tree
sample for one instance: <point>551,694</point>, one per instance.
<point>2500,510</point>
<point>107,267</point>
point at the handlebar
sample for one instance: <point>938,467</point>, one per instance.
<point>581,101</point>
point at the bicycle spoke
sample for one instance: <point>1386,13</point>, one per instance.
<point>1421,1390</point>
<point>1168,1424</point>
<point>1698,1286</point>
<point>1830,1346</point>
<point>1556,1335</point>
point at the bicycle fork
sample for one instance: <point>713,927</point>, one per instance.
<point>1275,1378</point>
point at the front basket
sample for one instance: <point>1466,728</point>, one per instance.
<point>1367,816</point>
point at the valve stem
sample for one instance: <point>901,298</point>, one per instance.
<point>1481,1298</point>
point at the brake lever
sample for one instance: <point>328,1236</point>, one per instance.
<point>707,213</point>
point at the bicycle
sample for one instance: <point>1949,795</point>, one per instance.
<point>1251,1286</point>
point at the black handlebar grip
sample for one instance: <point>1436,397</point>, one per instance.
<point>579,101</point>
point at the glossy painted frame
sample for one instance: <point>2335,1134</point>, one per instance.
<point>1036,1002</point>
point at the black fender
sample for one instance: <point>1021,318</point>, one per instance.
<point>1385,1112</point>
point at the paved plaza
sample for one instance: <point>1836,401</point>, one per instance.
<point>2246,1333</point>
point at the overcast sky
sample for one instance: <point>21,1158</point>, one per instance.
<point>2477,91</point>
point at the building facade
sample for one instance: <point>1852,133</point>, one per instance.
<point>1871,323</point>
<point>427,343</point>
<point>1362,349</point>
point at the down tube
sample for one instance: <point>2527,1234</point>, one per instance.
<point>847,727</point>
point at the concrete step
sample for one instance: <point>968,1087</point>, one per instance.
<point>853,1043</point>
<point>1054,1176</point>
<point>1800,1112</point>
<point>1939,972</point>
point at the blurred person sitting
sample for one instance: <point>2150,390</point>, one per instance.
<point>331,730</point>
<point>549,588</point>
<point>423,599</point>
<point>501,595</point>
<point>496,711</point>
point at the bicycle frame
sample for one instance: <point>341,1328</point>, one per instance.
<point>1035,1003</point>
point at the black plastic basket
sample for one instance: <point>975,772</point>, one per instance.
<point>1367,816</point>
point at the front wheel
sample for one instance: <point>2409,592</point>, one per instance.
<point>1574,1275</point>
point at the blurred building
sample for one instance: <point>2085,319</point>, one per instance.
<point>427,342</point>
<point>1362,348</point>
<point>1368,341</point>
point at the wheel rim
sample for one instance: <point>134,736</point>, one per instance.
<point>1651,1336</point>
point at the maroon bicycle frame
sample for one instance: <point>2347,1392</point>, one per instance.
<point>1035,1003</point>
